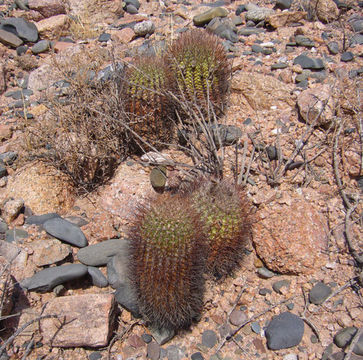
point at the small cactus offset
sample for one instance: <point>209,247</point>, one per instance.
<point>167,262</point>
<point>201,68</point>
<point>150,111</point>
<point>226,215</point>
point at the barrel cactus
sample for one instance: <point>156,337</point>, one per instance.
<point>149,110</point>
<point>200,68</point>
<point>226,216</point>
<point>167,262</point>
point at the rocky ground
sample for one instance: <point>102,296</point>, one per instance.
<point>296,97</point>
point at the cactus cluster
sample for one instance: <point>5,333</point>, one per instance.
<point>193,69</point>
<point>176,239</point>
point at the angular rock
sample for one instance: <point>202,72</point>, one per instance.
<point>9,39</point>
<point>317,105</point>
<point>65,231</point>
<point>333,47</point>
<point>47,8</point>
<point>260,92</point>
<point>206,17</point>
<point>282,19</point>
<point>88,320</point>
<point>43,188</point>
<point>49,278</point>
<point>98,279</point>
<point>144,28</point>
<point>302,40</point>
<point>126,296</point>
<point>326,10</point>
<point>49,28</point>
<point>100,254</point>
<point>284,331</point>
<point>309,63</point>
<point>20,27</point>
<point>50,251</point>
<point>162,336</point>
<point>291,237</point>
<point>259,14</point>
<point>278,285</point>
<point>11,209</point>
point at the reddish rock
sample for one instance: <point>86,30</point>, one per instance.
<point>51,27</point>
<point>123,36</point>
<point>61,46</point>
<point>285,18</point>
<point>43,188</point>
<point>48,8</point>
<point>47,252</point>
<point>317,105</point>
<point>86,320</point>
<point>5,131</point>
<point>291,239</point>
<point>136,341</point>
<point>260,92</point>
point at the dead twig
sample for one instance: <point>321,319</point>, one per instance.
<point>303,316</point>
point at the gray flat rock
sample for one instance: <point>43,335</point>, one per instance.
<point>20,27</point>
<point>10,39</point>
<point>126,297</point>
<point>117,270</point>
<point>47,279</point>
<point>40,219</point>
<point>100,254</point>
<point>65,231</point>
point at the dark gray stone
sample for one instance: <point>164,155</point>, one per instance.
<point>147,338</point>
<point>356,39</point>
<point>278,66</point>
<point>98,279</point>
<point>197,356</point>
<point>162,336</point>
<point>206,17</point>
<point>309,63</point>
<point>96,355</point>
<point>126,296</point>
<point>283,4</point>
<point>13,235</point>
<point>333,47</point>
<point>228,134</point>
<point>360,183</point>
<point>284,331</point>
<point>100,254</point>
<point>117,270</point>
<point>22,5</point>
<point>302,40</point>
<point>40,219</point>
<point>319,293</point>
<point>240,9</point>
<point>278,285</point>
<point>3,171</point>
<point>40,47</point>
<point>9,157</point>
<point>209,338</point>
<point>134,3</point>
<point>271,152</point>
<point>265,273</point>
<point>21,50</point>
<point>224,28</point>
<point>357,25</point>
<point>9,39</point>
<point>257,48</point>
<point>104,37</point>
<point>347,56</point>
<point>344,336</point>
<point>49,278</point>
<point>264,291</point>
<point>255,327</point>
<point>247,31</point>
<point>131,9</point>
<point>20,27</point>
<point>65,231</point>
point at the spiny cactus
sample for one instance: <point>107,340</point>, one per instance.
<point>167,262</point>
<point>226,216</point>
<point>143,93</point>
<point>201,68</point>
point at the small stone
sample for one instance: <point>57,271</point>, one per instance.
<point>255,327</point>
<point>240,9</point>
<point>104,37</point>
<point>14,235</point>
<point>344,336</point>
<point>283,4</point>
<point>319,293</point>
<point>135,3</point>
<point>131,9</point>
<point>117,270</point>
<point>96,355</point>
<point>284,331</point>
<point>162,336</point>
<point>356,39</point>
<point>11,209</point>
<point>65,231</point>
<point>347,56</point>
<point>9,39</point>
<point>302,40</point>
<point>21,50</point>
<point>206,17</point>
<point>237,317</point>
<point>247,31</point>
<point>153,351</point>
<point>40,47</point>
<point>197,356</point>
<point>258,14</point>
<point>147,338</point>
<point>144,28</point>
<point>290,306</point>
<point>278,66</point>
<point>98,279</point>
<point>265,273</point>
<point>264,291</point>
<point>278,285</point>
<point>314,339</point>
<point>333,47</point>
<point>49,278</point>
<point>272,152</point>
<point>309,63</point>
<point>209,338</point>
<point>49,251</point>
<point>3,171</point>
<point>290,357</point>
<point>224,330</point>
<point>158,178</point>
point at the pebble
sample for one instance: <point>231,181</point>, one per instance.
<point>96,355</point>
<point>279,66</point>
<point>283,4</point>
<point>49,278</point>
<point>271,152</point>
<point>240,9</point>
<point>40,47</point>
<point>197,356</point>
<point>131,9</point>
<point>65,231</point>
<point>162,336</point>
<point>127,298</point>
<point>144,28</point>
<point>290,306</point>
<point>344,336</point>
<point>264,291</point>
<point>356,39</point>
<point>237,317</point>
<point>278,285</point>
<point>284,331</point>
<point>206,17</point>
<point>224,330</point>
<point>333,47</point>
<point>134,3</point>
<point>147,338</point>
<point>290,357</point>
<point>309,63</point>
<point>228,134</point>
<point>209,338</point>
<point>347,56</point>
<point>13,235</point>
<point>100,254</point>
<point>98,279</point>
<point>319,293</point>
<point>265,273</point>
<point>302,40</point>
<point>247,31</point>
<point>153,351</point>
<point>255,327</point>
<point>104,37</point>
